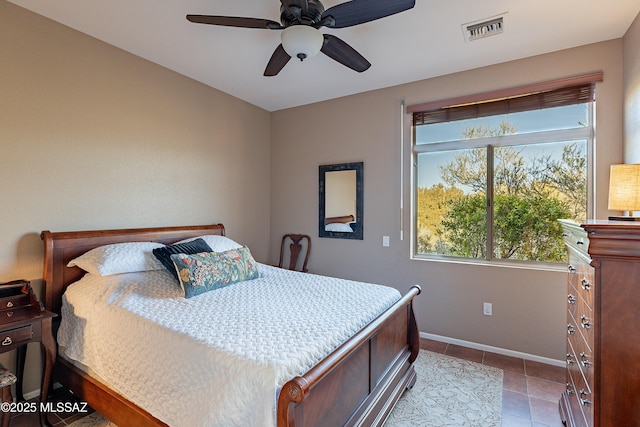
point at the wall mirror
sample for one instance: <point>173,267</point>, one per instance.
<point>340,213</point>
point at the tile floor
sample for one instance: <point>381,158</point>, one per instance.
<point>530,390</point>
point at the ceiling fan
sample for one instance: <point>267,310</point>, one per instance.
<point>300,21</point>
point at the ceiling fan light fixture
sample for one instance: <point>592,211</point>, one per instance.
<point>301,41</point>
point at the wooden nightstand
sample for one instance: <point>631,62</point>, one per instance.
<point>23,320</point>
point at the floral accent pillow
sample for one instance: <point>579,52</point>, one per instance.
<point>208,271</point>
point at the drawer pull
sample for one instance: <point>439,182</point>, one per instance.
<point>7,341</point>
<point>571,299</point>
<point>579,242</point>
<point>584,360</point>
<point>585,284</point>
<point>584,320</point>
<point>569,359</point>
<point>569,389</point>
<point>9,313</point>
<point>570,329</point>
<point>572,269</point>
<point>585,402</point>
<point>9,304</point>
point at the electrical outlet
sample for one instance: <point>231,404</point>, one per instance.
<point>487,309</point>
<point>385,241</point>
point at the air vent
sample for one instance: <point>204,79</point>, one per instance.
<point>485,28</point>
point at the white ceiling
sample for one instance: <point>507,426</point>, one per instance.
<point>420,43</point>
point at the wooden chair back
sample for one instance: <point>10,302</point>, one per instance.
<point>295,248</point>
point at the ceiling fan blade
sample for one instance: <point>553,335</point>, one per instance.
<point>277,62</point>
<point>356,12</point>
<point>233,21</point>
<point>340,51</point>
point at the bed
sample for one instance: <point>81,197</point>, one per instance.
<point>356,384</point>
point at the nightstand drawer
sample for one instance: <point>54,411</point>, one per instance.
<point>14,301</point>
<point>16,336</point>
<point>13,295</point>
<point>14,314</point>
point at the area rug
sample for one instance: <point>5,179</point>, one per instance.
<point>449,392</point>
<point>92,420</point>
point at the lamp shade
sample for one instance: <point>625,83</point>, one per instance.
<point>301,41</point>
<point>624,188</point>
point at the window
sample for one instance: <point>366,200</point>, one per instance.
<point>492,178</point>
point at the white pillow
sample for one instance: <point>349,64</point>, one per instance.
<point>216,243</point>
<point>338,226</point>
<point>119,258</point>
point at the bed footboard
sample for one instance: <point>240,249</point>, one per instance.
<point>360,382</point>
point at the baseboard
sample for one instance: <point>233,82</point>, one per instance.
<point>498,350</point>
<point>30,395</point>
<point>36,393</point>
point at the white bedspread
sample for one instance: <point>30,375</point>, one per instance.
<point>218,359</point>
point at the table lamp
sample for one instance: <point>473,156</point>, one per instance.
<point>624,190</point>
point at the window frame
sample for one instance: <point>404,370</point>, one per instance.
<point>587,133</point>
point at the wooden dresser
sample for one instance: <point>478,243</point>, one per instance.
<point>603,324</point>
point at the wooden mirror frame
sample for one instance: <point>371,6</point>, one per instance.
<point>358,226</point>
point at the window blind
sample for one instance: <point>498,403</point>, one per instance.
<point>556,93</point>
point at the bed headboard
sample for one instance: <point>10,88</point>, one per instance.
<point>339,219</point>
<point>62,247</point>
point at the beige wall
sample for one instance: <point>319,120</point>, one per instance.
<point>92,137</point>
<point>528,305</point>
<point>631,49</point>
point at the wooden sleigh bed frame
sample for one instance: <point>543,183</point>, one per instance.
<point>357,384</point>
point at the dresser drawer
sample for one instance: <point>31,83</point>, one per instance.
<point>582,318</point>
<point>576,238</point>
<point>16,336</point>
<point>582,276</point>
<point>586,285</point>
<point>582,357</point>
<point>580,322</point>
<point>581,402</point>
<point>580,391</point>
